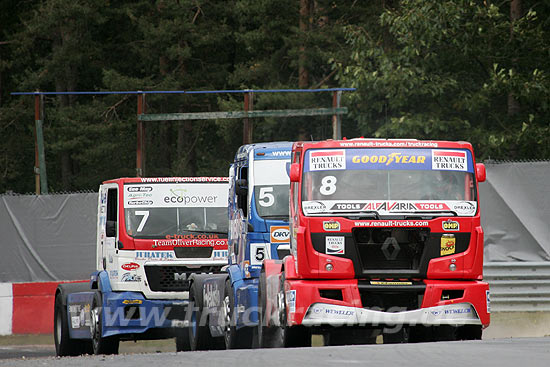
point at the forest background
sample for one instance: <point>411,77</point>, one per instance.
<point>474,70</point>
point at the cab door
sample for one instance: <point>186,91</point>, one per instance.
<point>107,230</point>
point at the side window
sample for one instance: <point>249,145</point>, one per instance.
<point>242,191</point>
<point>112,206</point>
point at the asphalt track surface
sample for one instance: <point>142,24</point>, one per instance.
<point>519,352</point>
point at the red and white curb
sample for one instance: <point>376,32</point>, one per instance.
<point>27,308</point>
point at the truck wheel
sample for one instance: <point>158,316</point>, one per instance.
<point>100,344</point>
<point>261,327</point>
<point>199,333</point>
<point>183,343</point>
<point>64,345</point>
<point>282,335</point>
<point>234,338</point>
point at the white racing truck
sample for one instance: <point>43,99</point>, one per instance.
<point>153,236</point>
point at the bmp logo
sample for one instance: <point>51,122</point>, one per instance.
<point>280,234</point>
<point>450,225</point>
<point>331,226</point>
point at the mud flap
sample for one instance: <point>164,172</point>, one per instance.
<point>213,291</point>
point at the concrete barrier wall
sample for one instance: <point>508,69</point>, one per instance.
<point>27,308</point>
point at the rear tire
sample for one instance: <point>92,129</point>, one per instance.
<point>64,345</point>
<point>100,344</point>
<point>200,337</point>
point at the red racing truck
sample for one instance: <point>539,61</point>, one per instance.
<point>386,240</point>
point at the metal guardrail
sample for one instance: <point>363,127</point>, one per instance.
<point>518,286</point>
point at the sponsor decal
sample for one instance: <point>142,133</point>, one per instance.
<point>449,160</point>
<point>448,244</point>
<point>464,207</point>
<point>326,160</point>
<point>280,153</point>
<point>130,266</point>
<point>75,322</point>
<point>488,295</point>
<point>184,179</point>
<point>140,202</point>
<point>291,300</point>
<point>155,255</point>
<point>311,207</point>
<point>454,311</point>
<point>129,277</point>
<point>388,159</point>
<point>385,282</point>
<point>393,223</point>
<point>335,245</point>
<point>140,188</point>
<point>347,206</point>
<point>450,225</point>
<point>207,240</point>
<point>211,294</point>
<point>132,302</point>
<point>138,196</point>
<point>280,234</point>
<point>331,226</point>
<point>179,196</point>
<point>332,311</point>
<point>113,274</point>
<point>387,143</point>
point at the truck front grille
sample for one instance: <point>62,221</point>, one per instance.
<point>173,278</point>
<point>390,248</point>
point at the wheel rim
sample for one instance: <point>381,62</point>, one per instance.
<point>58,326</point>
<point>94,326</point>
<point>226,309</point>
<point>281,305</point>
<point>194,323</point>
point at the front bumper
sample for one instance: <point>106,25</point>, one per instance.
<point>326,314</point>
<point>306,306</point>
<point>132,313</point>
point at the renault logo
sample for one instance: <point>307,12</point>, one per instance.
<point>390,248</point>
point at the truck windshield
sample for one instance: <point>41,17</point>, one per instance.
<point>271,188</point>
<point>163,222</point>
<point>170,209</point>
<point>386,181</point>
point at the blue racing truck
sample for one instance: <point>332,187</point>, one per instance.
<point>225,315</point>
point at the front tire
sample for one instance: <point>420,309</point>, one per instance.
<point>282,335</point>
<point>100,344</point>
<point>234,338</point>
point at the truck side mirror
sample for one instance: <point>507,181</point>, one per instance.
<point>294,172</point>
<point>241,187</point>
<point>481,173</point>
<point>110,228</point>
